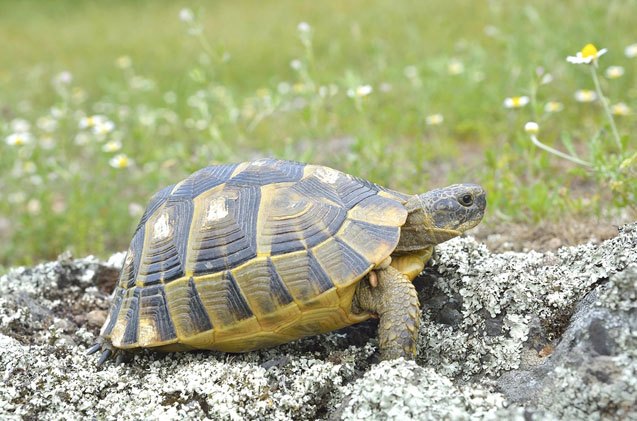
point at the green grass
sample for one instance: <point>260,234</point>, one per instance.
<point>229,106</point>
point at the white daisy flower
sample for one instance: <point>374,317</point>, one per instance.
<point>19,139</point>
<point>553,107</point>
<point>104,127</point>
<point>589,54</point>
<point>123,62</point>
<point>304,27</point>
<point>360,91</point>
<point>19,125</point>
<point>516,101</point>
<point>585,95</point>
<point>120,161</point>
<point>63,78</point>
<point>631,51</point>
<point>91,121</point>
<point>186,15</point>
<point>620,109</point>
<point>434,119</point>
<point>112,146</point>
<point>296,64</point>
<point>47,123</point>
<point>532,127</point>
<point>455,67</point>
<point>614,72</point>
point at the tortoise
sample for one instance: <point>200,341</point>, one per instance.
<point>245,256</point>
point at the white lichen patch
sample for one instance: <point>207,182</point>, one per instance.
<point>492,304</point>
<point>217,209</point>
<point>506,290</point>
<point>162,228</point>
<point>327,175</point>
<point>402,390</point>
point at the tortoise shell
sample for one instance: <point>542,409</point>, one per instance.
<point>244,256</point>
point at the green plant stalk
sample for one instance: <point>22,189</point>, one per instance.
<point>609,115</point>
<point>547,148</point>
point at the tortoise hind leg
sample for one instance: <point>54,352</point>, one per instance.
<point>395,302</point>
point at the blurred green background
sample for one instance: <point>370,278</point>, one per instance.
<point>103,103</point>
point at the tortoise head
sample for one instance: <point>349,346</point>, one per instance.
<point>458,207</point>
<point>440,215</point>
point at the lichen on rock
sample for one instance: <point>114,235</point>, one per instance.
<point>513,335</point>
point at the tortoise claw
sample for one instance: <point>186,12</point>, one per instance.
<point>107,350</point>
<point>92,350</point>
<point>105,354</point>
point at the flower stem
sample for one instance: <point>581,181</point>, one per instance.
<point>541,145</point>
<point>602,98</point>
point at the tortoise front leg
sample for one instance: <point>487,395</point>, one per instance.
<point>395,302</point>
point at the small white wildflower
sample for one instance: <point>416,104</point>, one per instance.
<point>531,127</point>
<point>296,64</point>
<point>19,139</point>
<point>631,51</point>
<point>283,88</point>
<point>47,142</point>
<point>411,72</point>
<point>553,107</point>
<point>455,67</point>
<point>585,95</point>
<point>82,138</point>
<point>135,209</point>
<point>120,161</point>
<point>546,79</point>
<point>112,146</point>
<point>516,101</point>
<point>304,27</point>
<point>34,206</point>
<point>491,31</point>
<point>614,72</point>
<point>103,128</point>
<point>20,125</point>
<point>47,123</point>
<point>57,112</point>
<point>385,87</point>
<point>360,91</point>
<point>91,121</point>
<point>434,119</point>
<point>186,15</point>
<point>123,62</point>
<point>589,54</point>
<point>63,78</point>
<point>620,109</point>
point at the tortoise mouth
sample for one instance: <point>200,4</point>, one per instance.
<point>440,235</point>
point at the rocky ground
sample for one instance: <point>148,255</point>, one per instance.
<point>503,335</point>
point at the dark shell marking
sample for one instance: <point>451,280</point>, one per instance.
<point>241,256</point>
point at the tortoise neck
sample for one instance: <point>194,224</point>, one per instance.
<point>419,232</point>
<point>414,234</point>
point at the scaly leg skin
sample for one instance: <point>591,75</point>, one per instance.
<point>395,302</point>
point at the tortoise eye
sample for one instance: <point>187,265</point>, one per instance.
<point>466,200</point>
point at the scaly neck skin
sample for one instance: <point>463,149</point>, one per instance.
<point>418,234</point>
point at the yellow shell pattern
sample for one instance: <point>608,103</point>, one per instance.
<point>245,256</point>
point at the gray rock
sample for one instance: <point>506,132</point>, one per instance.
<point>593,366</point>
<point>512,335</point>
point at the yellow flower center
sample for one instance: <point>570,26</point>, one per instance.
<point>589,50</point>
<point>517,101</point>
